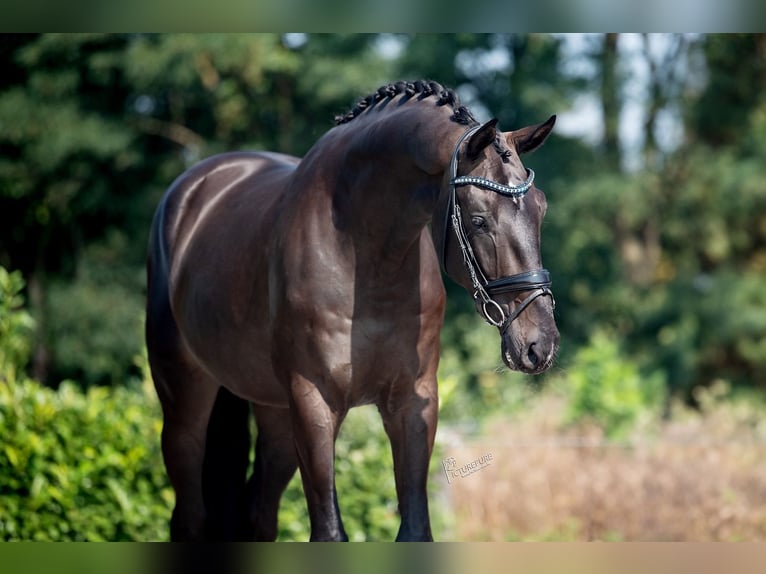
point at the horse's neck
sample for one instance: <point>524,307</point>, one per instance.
<point>391,182</point>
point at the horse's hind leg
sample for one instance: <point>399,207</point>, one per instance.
<point>224,476</point>
<point>187,396</point>
<point>275,465</point>
<point>186,412</point>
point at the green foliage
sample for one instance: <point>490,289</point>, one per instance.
<point>670,261</point>
<point>95,321</point>
<point>473,381</point>
<point>365,478</point>
<point>58,143</point>
<point>721,113</point>
<point>608,389</point>
<point>96,330</point>
<point>16,327</point>
<point>73,465</point>
<point>80,466</point>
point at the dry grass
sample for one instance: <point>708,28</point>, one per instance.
<point>699,478</point>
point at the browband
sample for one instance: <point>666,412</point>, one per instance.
<point>509,190</point>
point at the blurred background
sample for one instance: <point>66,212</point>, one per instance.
<point>650,426</point>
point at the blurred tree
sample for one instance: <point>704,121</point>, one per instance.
<point>714,231</point>
<point>610,100</point>
<point>654,254</point>
<point>60,147</point>
<point>216,92</point>
<point>514,77</point>
<point>736,69</point>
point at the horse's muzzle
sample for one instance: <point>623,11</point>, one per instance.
<point>533,354</point>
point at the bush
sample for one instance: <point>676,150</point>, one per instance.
<point>81,466</point>
<point>74,465</point>
<point>95,330</point>
<point>608,389</point>
<point>473,380</point>
<point>87,466</point>
<point>16,326</point>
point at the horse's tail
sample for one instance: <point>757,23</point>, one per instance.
<point>224,475</point>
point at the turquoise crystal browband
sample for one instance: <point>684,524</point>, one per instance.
<point>502,189</point>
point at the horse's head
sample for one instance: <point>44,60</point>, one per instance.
<point>488,230</point>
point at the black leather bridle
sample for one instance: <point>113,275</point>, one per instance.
<point>538,281</point>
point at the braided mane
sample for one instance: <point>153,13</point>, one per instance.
<point>421,89</point>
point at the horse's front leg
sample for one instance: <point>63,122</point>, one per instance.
<point>409,417</point>
<point>315,426</point>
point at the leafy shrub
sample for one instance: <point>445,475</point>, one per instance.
<point>74,465</point>
<point>81,466</point>
<point>609,389</point>
<point>473,380</point>
<point>95,330</point>
<point>15,326</point>
<point>87,465</point>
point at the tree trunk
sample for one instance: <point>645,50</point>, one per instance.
<point>38,303</point>
<point>610,101</point>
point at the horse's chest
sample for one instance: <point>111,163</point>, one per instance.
<point>362,355</point>
<point>383,349</point>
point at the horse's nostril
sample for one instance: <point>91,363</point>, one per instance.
<point>532,356</point>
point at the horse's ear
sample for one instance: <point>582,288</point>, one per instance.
<point>485,135</point>
<point>531,137</point>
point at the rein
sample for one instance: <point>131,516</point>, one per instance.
<point>538,280</point>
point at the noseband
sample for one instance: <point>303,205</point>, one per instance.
<point>538,281</point>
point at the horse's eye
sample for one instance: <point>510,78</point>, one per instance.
<point>478,222</point>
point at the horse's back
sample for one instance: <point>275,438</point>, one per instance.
<point>194,192</point>
<point>207,258</point>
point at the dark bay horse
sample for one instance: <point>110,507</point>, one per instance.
<point>305,287</point>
